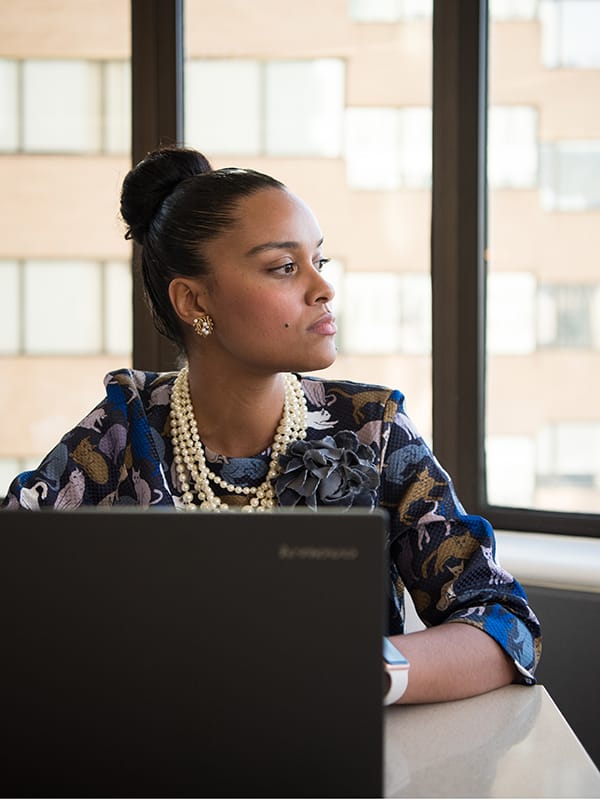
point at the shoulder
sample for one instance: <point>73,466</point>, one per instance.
<point>323,392</point>
<point>365,408</point>
<point>151,388</point>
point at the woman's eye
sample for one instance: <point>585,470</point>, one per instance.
<point>321,263</point>
<point>287,269</point>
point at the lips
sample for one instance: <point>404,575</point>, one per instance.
<point>324,326</point>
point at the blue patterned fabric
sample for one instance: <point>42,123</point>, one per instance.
<point>121,454</point>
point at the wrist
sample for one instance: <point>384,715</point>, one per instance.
<point>396,669</point>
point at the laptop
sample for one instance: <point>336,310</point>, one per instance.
<point>149,653</point>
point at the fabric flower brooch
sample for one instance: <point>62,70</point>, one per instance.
<point>334,471</point>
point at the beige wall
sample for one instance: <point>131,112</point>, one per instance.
<point>64,29</point>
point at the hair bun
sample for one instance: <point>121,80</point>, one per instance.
<point>150,182</point>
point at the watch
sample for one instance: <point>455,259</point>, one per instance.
<point>396,666</point>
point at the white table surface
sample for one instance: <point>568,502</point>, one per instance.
<point>512,742</point>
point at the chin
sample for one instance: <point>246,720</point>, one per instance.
<point>314,362</point>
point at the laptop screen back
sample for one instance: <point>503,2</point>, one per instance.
<point>162,654</point>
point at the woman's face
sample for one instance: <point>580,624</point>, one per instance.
<point>266,293</point>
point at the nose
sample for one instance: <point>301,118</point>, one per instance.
<point>320,291</point>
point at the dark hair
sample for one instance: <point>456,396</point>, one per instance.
<point>173,202</point>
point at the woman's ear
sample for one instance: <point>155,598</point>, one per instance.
<point>187,297</point>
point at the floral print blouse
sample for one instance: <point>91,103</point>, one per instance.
<point>121,454</point>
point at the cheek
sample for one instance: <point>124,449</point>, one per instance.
<point>270,313</point>
<point>260,316</point>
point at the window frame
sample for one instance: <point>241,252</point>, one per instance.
<point>458,234</point>
<point>459,238</point>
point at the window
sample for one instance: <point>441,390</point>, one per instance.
<point>570,175</point>
<point>212,122</point>
<point>65,304</point>
<point>569,453</point>
<point>543,296</point>
<point>94,301</point>
<point>70,106</point>
<point>388,148</point>
<point>288,108</point>
<point>542,367</point>
<point>389,10</point>
<point>512,147</point>
<point>565,316</point>
<point>303,100</point>
<point>570,33</point>
<point>9,106</point>
<point>513,9</point>
<point>511,313</point>
<point>510,419</point>
<point>304,105</point>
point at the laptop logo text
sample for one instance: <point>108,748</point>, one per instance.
<point>317,553</point>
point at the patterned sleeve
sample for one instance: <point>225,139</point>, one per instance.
<point>445,557</point>
<point>109,458</point>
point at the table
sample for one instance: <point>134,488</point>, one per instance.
<point>512,742</point>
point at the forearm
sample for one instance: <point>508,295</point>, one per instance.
<point>452,661</point>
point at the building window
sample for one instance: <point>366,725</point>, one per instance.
<point>565,315</point>
<point>304,107</point>
<point>512,147</point>
<point>513,9</point>
<point>388,10</point>
<point>274,108</point>
<point>570,33</point>
<point>116,107</point>
<point>523,316</point>
<point>568,453</point>
<point>570,175</point>
<point>511,313</point>
<point>511,470</point>
<point>9,106</point>
<point>215,124</point>
<point>388,148</point>
<point>384,313</point>
<point>65,106</point>
<point>94,301</point>
<point>9,307</point>
<point>61,106</point>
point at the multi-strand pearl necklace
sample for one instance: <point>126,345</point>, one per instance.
<point>190,461</point>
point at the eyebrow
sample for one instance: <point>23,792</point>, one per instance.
<point>260,248</point>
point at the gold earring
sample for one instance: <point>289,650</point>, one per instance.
<point>203,325</point>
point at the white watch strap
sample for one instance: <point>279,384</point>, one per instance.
<point>398,684</point>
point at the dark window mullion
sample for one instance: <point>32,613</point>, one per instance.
<point>157,118</point>
<point>458,242</point>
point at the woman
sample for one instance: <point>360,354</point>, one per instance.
<point>233,270</point>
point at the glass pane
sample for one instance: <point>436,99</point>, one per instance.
<point>543,346</point>
<point>9,108</point>
<point>61,101</point>
<point>340,110</point>
<point>219,93</point>
<point>10,307</point>
<point>65,133</point>
<point>512,146</point>
<point>570,33</point>
<point>304,107</point>
<point>388,148</point>
<point>118,311</point>
<point>62,307</point>
<point>117,111</point>
<point>570,175</point>
<point>388,10</point>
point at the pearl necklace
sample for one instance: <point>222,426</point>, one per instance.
<point>190,461</point>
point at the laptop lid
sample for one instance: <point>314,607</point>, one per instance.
<point>164,654</point>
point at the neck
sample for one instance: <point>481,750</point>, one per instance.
<point>236,415</point>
